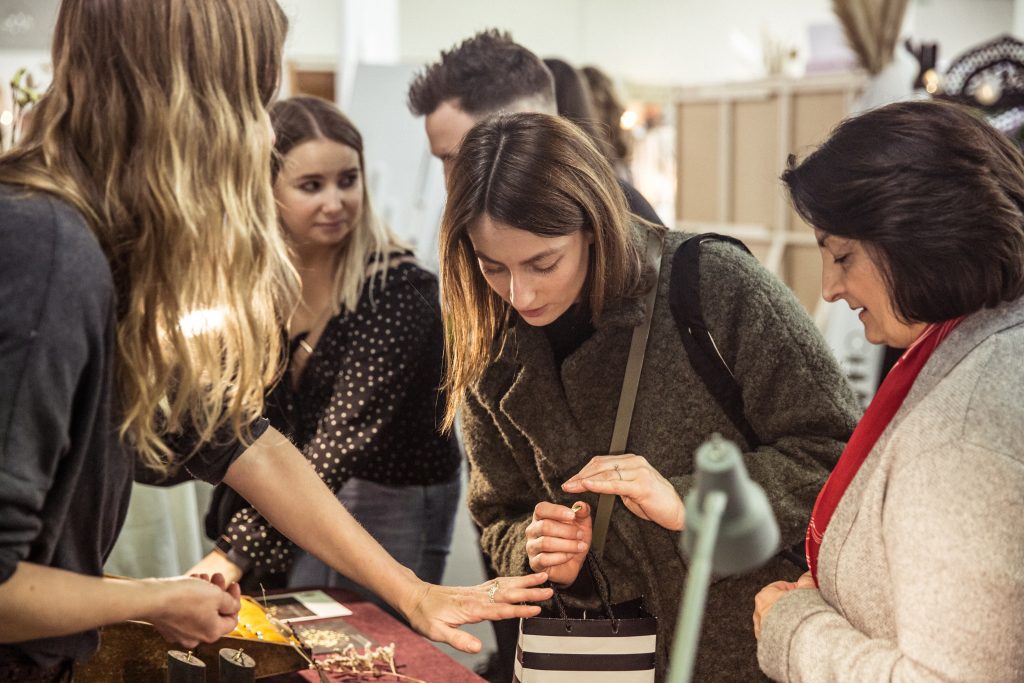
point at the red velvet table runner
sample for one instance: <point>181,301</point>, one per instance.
<point>415,656</point>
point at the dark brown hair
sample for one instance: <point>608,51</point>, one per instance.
<point>936,195</point>
<point>484,73</point>
<point>609,112</point>
<point>572,97</point>
<point>538,173</point>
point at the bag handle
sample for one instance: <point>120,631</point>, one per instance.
<point>603,592</point>
<point>627,397</point>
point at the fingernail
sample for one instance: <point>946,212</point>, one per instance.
<point>576,507</point>
<point>581,547</point>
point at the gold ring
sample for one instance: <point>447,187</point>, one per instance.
<point>492,590</point>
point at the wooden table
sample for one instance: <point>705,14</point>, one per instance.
<point>415,656</point>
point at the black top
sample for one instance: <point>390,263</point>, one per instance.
<point>568,332</point>
<point>368,403</point>
<point>64,477</point>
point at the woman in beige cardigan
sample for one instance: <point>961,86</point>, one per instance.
<point>915,544</point>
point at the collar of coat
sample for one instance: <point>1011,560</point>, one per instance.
<point>560,412</point>
<point>974,330</point>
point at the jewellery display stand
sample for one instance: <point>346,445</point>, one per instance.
<point>135,651</point>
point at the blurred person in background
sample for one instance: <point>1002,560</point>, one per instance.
<point>618,143</point>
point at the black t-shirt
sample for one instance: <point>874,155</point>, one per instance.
<point>65,479</point>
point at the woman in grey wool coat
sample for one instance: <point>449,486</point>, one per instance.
<point>543,278</point>
<point>915,544</point>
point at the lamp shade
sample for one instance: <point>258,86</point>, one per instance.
<point>748,534</point>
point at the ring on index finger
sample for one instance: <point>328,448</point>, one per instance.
<point>618,472</point>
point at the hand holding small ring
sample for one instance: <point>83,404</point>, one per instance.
<point>643,490</point>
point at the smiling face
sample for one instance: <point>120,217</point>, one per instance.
<point>849,273</point>
<point>541,277</point>
<point>319,191</point>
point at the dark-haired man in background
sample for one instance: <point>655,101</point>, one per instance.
<point>483,75</point>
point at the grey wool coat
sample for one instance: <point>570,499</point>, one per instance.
<point>528,426</point>
<point>921,571</point>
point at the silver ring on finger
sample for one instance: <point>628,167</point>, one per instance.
<point>621,478</point>
<point>492,591</point>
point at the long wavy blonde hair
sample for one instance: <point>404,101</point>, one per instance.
<point>155,128</point>
<point>301,119</point>
<point>542,174</point>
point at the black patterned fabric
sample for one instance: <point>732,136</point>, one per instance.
<point>367,403</point>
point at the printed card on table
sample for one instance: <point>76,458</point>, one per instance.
<point>304,606</point>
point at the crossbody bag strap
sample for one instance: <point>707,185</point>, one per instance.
<point>627,397</point>
<point>685,303</point>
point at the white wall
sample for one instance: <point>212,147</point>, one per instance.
<point>313,29</point>
<point>676,41</point>
<point>653,41</point>
<point>649,41</point>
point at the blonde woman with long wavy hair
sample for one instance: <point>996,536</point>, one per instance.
<point>144,284</point>
<point>361,397</point>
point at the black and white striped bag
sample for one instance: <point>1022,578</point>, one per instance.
<point>573,646</point>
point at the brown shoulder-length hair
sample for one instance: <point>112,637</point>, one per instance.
<point>936,195</point>
<point>539,173</point>
<point>155,129</point>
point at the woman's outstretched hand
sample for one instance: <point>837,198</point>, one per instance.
<point>440,610</point>
<point>643,490</point>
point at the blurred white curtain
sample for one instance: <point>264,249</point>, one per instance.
<point>163,533</point>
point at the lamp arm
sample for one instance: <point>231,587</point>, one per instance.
<point>684,646</point>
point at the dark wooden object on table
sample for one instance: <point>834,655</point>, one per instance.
<point>235,666</point>
<point>185,667</point>
<point>134,651</point>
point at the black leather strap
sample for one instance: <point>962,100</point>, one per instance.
<point>703,353</point>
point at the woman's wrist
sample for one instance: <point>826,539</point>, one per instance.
<point>222,546</point>
<point>150,600</point>
<point>406,592</point>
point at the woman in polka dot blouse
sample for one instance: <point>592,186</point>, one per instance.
<point>360,394</point>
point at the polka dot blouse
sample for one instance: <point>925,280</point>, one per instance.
<point>367,403</point>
